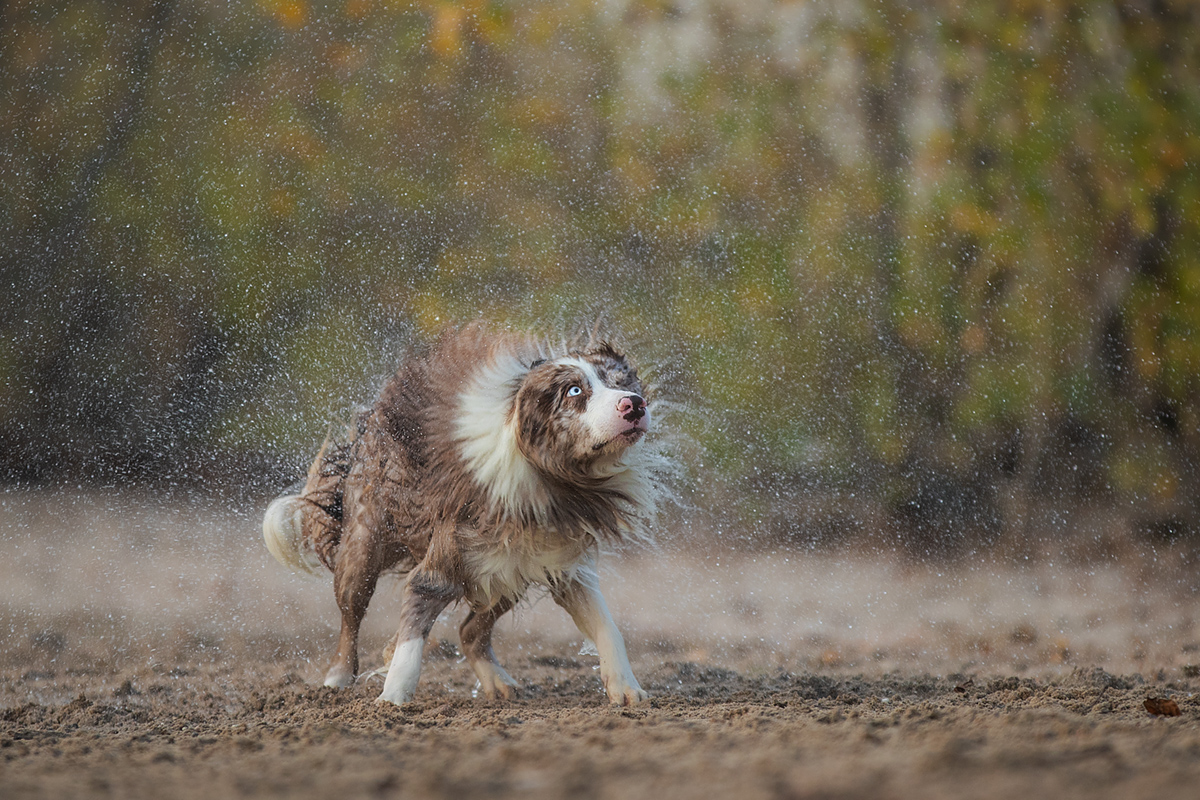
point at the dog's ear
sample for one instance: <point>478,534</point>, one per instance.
<point>604,350</point>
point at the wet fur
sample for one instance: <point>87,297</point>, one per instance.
<point>481,471</point>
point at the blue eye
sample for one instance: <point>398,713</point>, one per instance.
<point>574,391</point>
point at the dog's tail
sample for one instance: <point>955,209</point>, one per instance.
<point>283,532</point>
<point>303,526</point>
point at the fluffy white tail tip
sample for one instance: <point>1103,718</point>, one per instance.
<point>283,532</point>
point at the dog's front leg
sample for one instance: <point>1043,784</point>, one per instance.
<point>476,636</point>
<point>426,594</point>
<point>582,600</point>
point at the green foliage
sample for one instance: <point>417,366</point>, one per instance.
<point>878,240</point>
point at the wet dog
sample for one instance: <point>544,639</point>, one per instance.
<point>490,464</point>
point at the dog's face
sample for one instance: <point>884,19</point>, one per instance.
<point>580,412</point>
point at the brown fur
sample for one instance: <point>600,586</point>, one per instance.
<point>400,496</point>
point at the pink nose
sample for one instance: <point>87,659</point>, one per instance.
<point>631,407</point>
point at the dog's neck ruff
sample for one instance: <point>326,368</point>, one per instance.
<point>487,437</point>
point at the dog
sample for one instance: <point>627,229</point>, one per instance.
<point>491,464</point>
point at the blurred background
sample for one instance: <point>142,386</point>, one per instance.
<point>926,275</point>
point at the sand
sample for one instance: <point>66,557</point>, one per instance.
<point>153,649</point>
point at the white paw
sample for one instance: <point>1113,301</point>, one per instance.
<point>404,672</point>
<point>396,698</point>
<point>625,692</point>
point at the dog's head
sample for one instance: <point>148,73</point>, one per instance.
<point>579,413</point>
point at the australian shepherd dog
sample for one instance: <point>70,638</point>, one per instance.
<point>491,464</point>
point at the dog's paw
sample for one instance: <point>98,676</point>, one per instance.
<point>401,682</point>
<point>621,693</point>
<point>339,677</point>
<point>395,698</point>
<point>495,682</point>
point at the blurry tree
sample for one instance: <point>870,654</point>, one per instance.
<point>941,260</point>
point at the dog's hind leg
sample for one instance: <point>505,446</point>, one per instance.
<point>426,594</point>
<point>475,633</point>
<point>354,579</point>
<point>582,600</point>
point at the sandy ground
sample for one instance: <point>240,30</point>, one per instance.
<point>155,650</point>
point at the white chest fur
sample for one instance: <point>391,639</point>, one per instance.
<point>507,569</point>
